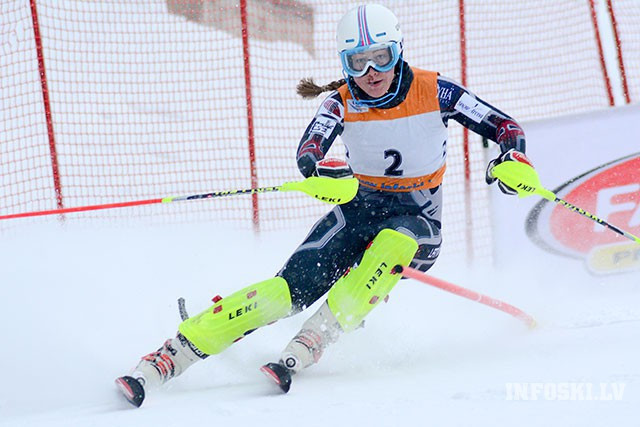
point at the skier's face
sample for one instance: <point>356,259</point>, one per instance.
<point>374,83</point>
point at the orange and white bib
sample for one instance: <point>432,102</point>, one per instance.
<point>401,148</point>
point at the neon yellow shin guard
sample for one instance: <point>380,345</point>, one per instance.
<point>233,317</point>
<point>356,293</point>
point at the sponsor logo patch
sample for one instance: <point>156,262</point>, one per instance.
<point>323,127</point>
<point>445,93</point>
<point>332,107</point>
<point>472,108</point>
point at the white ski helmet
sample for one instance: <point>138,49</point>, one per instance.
<point>368,24</point>
<point>369,36</point>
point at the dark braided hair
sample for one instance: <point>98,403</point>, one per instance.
<point>308,89</point>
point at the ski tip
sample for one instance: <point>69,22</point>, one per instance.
<point>278,374</point>
<point>131,389</point>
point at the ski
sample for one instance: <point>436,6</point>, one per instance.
<point>131,389</point>
<point>278,374</point>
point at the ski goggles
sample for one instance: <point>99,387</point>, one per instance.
<point>381,56</point>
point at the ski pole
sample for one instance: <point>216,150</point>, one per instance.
<point>466,293</point>
<point>525,180</point>
<point>329,190</point>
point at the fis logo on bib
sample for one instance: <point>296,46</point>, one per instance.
<point>354,106</point>
<point>612,193</point>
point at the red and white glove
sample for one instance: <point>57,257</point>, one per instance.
<point>333,168</point>
<point>510,156</point>
<point>510,135</point>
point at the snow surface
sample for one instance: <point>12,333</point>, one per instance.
<point>81,303</point>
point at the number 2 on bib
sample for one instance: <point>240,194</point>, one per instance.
<point>394,169</point>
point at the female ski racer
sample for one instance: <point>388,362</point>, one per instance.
<point>393,121</point>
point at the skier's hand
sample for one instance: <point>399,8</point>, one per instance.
<point>510,156</point>
<point>333,168</point>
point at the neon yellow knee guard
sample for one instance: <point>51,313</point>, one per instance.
<point>233,317</point>
<point>356,293</point>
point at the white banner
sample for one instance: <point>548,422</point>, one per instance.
<point>593,162</point>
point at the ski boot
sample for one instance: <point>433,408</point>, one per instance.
<point>156,368</point>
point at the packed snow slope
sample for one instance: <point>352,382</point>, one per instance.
<point>81,303</point>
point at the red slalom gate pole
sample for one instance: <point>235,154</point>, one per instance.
<point>467,293</point>
<point>144,202</point>
<point>81,209</point>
